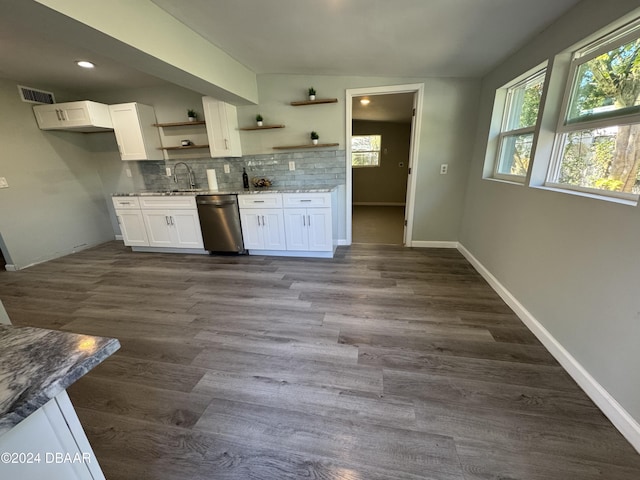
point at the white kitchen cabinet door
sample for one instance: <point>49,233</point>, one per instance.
<point>186,229</point>
<point>273,228</point>
<point>295,226</point>
<point>252,233</point>
<point>320,229</point>
<point>158,224</point>
<point>83,116</point>
<point>308,229</point>
<point>136,136</point>
<point>263,228</point>
<point>132,228</point>
<point>222,128</point>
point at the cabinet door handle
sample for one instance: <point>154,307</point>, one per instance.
<point>62,114</point>
<point>226,144</point>
<point>118,218</point>
<point>171,218</point>
<point>303,200</point>
<point>263,224</point>
<point>58,114</point>
<point>166,218</point>
<point>258,201</point>
<point>309,220</point>
<point>303,221</point>
<point>258,217</point>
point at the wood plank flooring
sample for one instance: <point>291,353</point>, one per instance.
<point>383,363</point>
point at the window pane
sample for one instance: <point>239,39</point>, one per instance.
<point>523,102</point>
<point>365,159</point>
<point>360,143</point>
<point>607,85</point>
<point>515,153</point>
<point>602,158</point>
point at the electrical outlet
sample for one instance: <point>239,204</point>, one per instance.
<point>4,183</point>
<point>444,169</point>
<point>128,172</point>
<point>167,171</point>
<point>292,165</point>
<point>227,169</point>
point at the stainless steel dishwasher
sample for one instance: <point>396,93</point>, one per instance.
<point>220,223</point>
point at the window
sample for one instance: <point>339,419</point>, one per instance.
<point>518,125</point>
<point>598,143</point>
<point>365,150</point>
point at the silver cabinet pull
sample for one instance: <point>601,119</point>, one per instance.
<point>309,220</point>
<point>171,218</point>
<point>263,224</point>
<point>303,221</point>
<point>58,114</point>
<point>258,201</point>
<point>226,144</point>
<point>166,218</point>
<point>303,200</point>
<point>258,217</point>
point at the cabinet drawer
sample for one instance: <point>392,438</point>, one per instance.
<point>260,200</point>
<point>122,203</point>
<point>169,201</point>
<point>297,200</point>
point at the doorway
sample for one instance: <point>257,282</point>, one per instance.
<point>383,126</point>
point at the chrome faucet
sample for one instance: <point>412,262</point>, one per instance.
<point>192,182</point>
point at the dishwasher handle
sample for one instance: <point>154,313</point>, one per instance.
<point>216,203</point>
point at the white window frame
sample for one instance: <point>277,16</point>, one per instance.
<point>509,89</point>
<point>379,152</point>
<point>607,43</point>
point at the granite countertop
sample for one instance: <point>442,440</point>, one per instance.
<point>311,189</point>
<point>38,364</point>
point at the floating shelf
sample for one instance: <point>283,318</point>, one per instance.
<point>309,145</point>
<point>264,127</point>
<point>180,147</point>
<point>315,102</point>
<point>179,124</point>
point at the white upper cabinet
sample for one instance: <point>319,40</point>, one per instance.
<point>137,137</point>
<point>84,116</point>
<point>222,128</point>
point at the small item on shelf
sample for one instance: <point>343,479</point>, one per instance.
<point>261,182</point>
<point>312,93</point>
<point>245,179</point>
<point>192,115</point>
<point>186,143</point>
<point>259,120</point>
<point>314,137</point>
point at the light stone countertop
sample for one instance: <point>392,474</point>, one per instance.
<point>38,364</point>
<point>313,189</point>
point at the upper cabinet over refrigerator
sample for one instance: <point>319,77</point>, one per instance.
<point>222,128</point>
<point>82,116</point>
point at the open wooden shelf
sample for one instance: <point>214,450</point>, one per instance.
<point>264,127</point>
<point>179,124</point>
<point>180,147</point>
<point>309,145</point>
<point>314,102</point>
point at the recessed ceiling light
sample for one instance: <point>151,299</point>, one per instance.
<point>365,101</point>
<point>85,64</point>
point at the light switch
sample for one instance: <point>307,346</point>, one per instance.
<point>226,168</point>
<point>128,172</point>
<point>444,168</point>
<point>4,183</point>
<point>292,165</point>
<point>167,171</point>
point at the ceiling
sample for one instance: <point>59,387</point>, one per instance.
<point>400,38</point>
<point>394,107</point>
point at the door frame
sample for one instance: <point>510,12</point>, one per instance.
<point>418,90</point>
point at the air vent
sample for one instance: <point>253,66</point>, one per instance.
<point>31,95</point>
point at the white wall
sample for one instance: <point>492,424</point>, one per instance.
<point>449,114</point>
<point>54,204</point>
<point>571,261</point>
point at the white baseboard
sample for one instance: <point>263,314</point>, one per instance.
<point>119,237</point>
<point>379,204</point>
<point>343,242</point>
<point>620,418</point>
<point>9,267</point>
<point>426,244</point>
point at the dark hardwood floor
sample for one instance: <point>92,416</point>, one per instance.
<point>384,363</point>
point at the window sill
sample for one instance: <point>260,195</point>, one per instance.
<point>593,196</point>
<point>504,180</point>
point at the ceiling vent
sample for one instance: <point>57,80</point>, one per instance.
<point>31,95</point>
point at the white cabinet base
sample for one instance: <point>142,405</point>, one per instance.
<point>291,253</point>
<point>53,446</point>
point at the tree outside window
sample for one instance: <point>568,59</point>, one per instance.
<point>599,146</point>
<point>365,150</point>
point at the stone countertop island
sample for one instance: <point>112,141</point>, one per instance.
<point>38,425</point>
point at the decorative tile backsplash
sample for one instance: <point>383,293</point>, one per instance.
<point>311,168</point>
